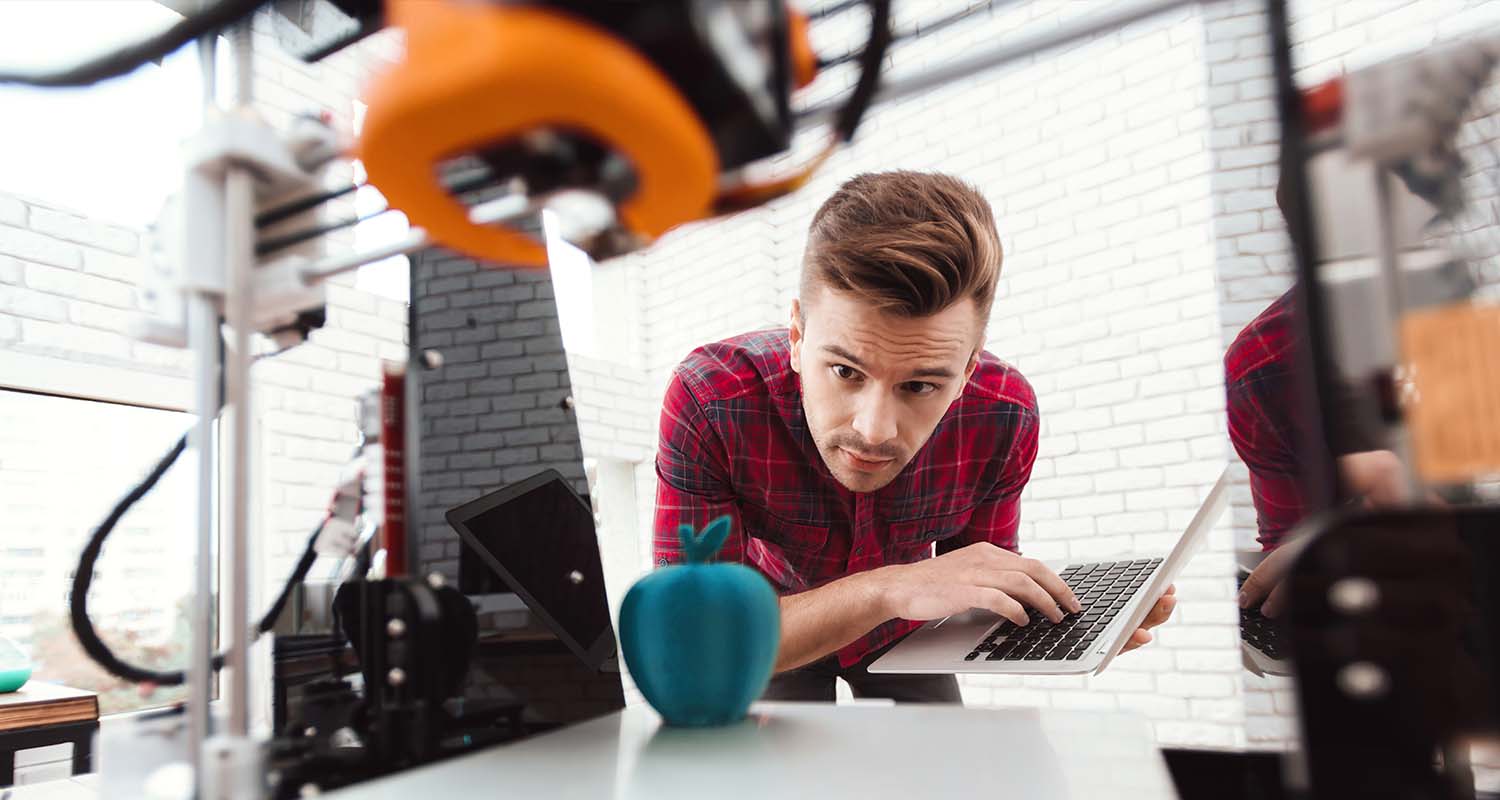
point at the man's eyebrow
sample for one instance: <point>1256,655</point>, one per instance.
<point>925,372</point>
<point>934,372</point>
<point>844,354</point>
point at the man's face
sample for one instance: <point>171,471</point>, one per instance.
<point>876,384</point>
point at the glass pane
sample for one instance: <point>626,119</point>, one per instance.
<point>64,463</point>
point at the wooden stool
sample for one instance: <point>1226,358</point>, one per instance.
<point>42,714</point>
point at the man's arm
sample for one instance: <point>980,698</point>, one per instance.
<point>820,621</point>
<point>1260,435</point>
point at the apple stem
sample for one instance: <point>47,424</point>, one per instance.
<point>700,548</point>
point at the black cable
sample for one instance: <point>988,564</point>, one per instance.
<point>869,70</point>
<point>473,183</point>
<point>83,577</point>
<point>78,601</point>
<point>271,216</point>
<point>286,211</point>
<point>304,566</point>
<point>912,33</point>
<point>267,246</point>
<point>123,60</point>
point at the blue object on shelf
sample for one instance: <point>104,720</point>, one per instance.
<point>700,638</point>
<point>15,669</point>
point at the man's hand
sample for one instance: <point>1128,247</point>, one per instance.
<point>1376,476</point>
<point>1263,587</point>
<point>978,576</point>
<point>1160,613</point>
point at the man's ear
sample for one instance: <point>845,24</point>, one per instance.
<point>794,330</point>
<point>973,365</point>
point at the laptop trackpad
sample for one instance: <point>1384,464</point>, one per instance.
<point>962,629</point>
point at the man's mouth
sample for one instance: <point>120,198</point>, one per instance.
<point>865,463</point>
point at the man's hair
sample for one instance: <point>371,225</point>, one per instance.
<point>912,243</point>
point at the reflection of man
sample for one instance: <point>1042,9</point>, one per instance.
<point>875,427</point>
<point>1265,430</point>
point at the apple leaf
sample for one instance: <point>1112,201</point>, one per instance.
<point>700,548</point>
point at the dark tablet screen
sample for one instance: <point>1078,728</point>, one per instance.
<point>542,536</point>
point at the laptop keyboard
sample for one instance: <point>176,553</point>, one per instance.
<point>1102,589</point>
<point>1259,631</point>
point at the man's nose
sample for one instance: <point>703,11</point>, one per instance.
<point>875,417</point>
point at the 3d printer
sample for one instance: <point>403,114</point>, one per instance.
<point>629,119</point>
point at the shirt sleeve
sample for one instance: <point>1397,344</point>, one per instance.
<point>1266,448</point>
<point>998,516</point>
<point>692,478</point>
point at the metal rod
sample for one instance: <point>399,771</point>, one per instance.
<point>1397,302</point>
<point>502,209</point>
<point>239,247</point>
<point>204,339</point>
<point>1389,249</point>
<point>1011,51</point>
<point>1313,345</point>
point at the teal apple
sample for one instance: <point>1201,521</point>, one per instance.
<point>700,638</point>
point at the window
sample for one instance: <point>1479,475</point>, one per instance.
<point>60,162</point>
<point>64,463</point>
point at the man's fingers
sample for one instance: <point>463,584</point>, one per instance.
<point>1160,612</point>
<point>1053,585</point>
<point>1020,586</point>
<point>1137,639</point>
<point>1000,603</point>
<point>1257,585</point>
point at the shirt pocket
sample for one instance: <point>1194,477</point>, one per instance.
<point>799,552</point>
<point>912,540</point>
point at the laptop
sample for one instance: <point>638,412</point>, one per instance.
<point>1116,596</point>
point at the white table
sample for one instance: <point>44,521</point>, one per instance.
<point>80,787</point>
<point>812,750</point>
<point>788,750</point>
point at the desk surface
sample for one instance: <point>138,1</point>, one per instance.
<point>803,750</point>
<point>81,787</point>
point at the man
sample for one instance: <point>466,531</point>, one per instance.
<point>874,428</point>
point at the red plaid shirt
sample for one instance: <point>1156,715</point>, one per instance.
<point>734,441</point>
<point>1258,377</point>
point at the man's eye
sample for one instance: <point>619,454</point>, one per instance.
<point>845,372</point>
<point>920,387</point>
